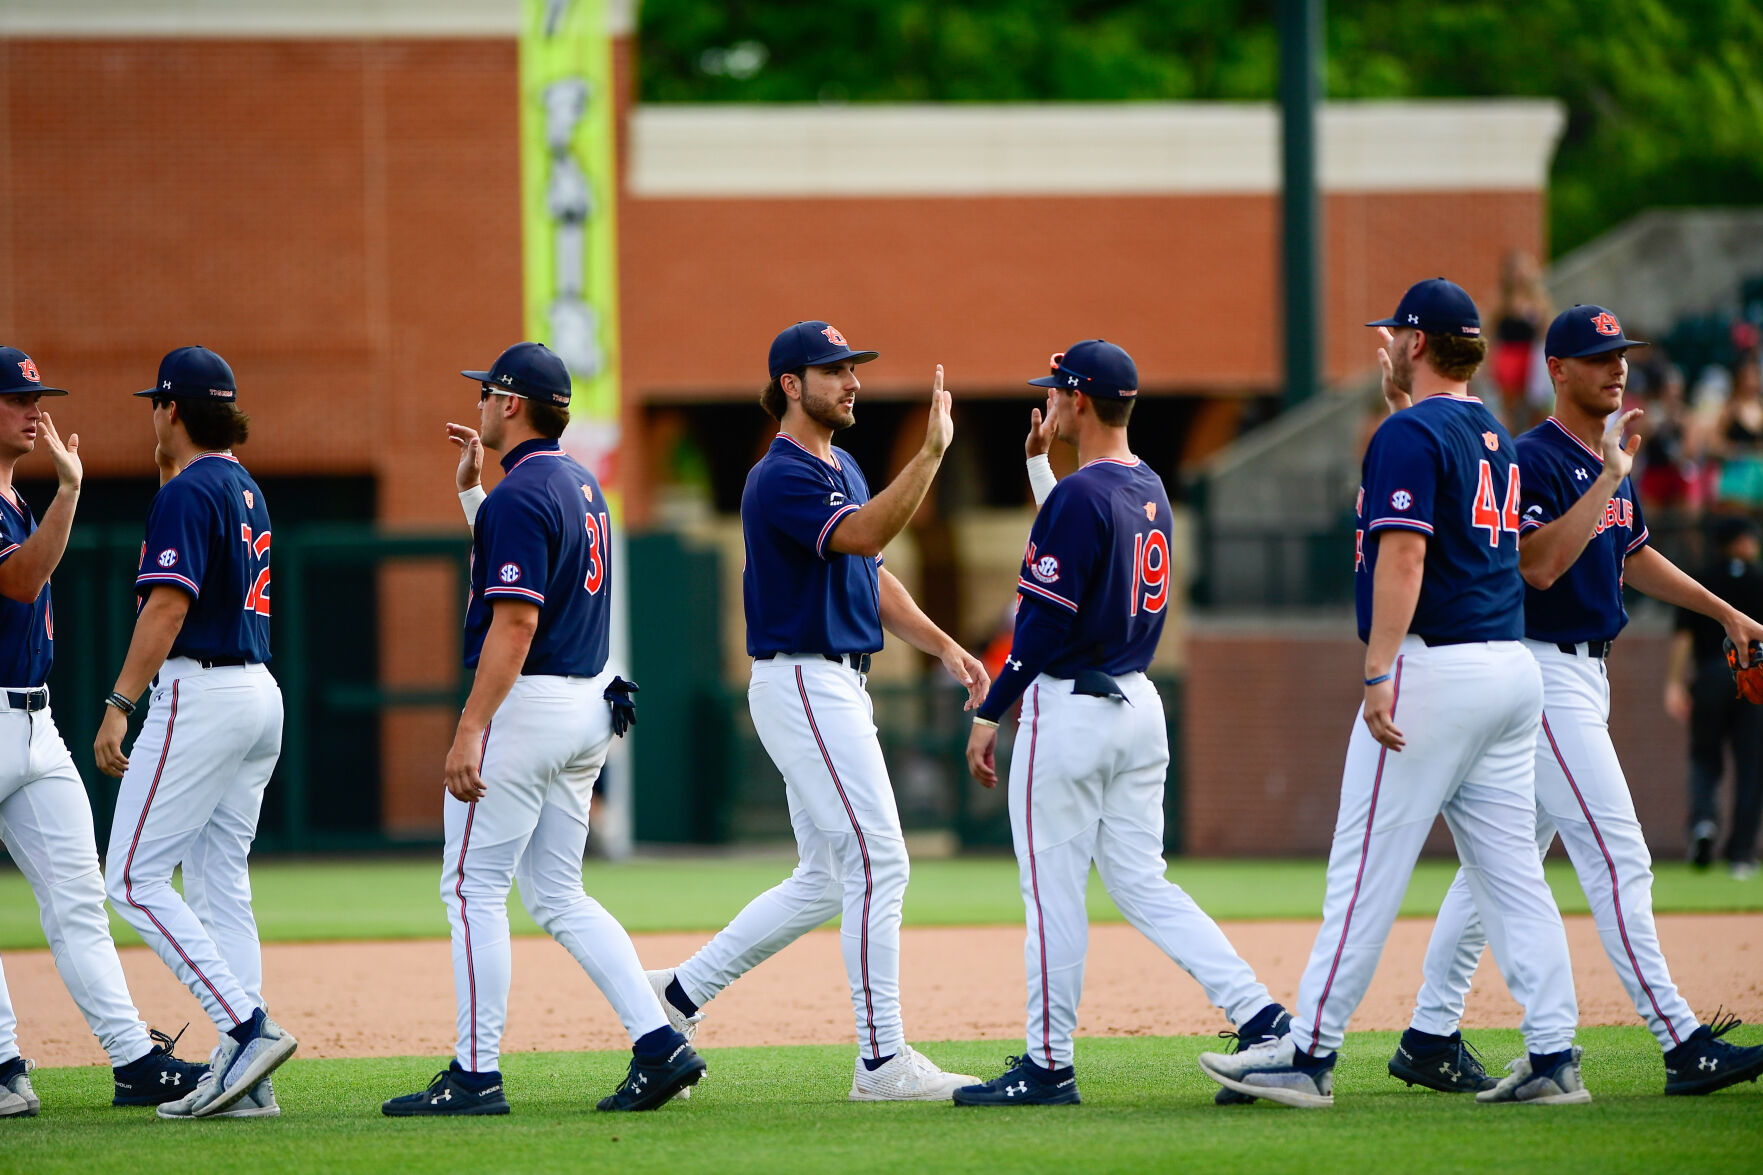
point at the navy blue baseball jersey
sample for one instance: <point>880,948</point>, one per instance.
<point>27,631</point>
<point>543,535</point>
<point>1447,469</point>
<point>1095,580</point>
<point>801,595</point>
<point>1585,604</point>
<point>208,535</point>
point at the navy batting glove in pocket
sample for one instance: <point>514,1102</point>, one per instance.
<point>624,707</point>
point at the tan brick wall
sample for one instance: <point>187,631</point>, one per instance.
<point>1267,714</point>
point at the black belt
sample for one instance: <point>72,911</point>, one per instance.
<point>1433,642</point>
<point>28,700</point>
<point>857,661</point>
<point>1592,648</point>
<point>217,662</point>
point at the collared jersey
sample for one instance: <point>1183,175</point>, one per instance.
<point>27,631</point>
<point>208,535</point>
<point>1099,548</point>
<point>1585,604</point>
<point>542,535</point>
<point>802,596</point>
<point>1447,469</point>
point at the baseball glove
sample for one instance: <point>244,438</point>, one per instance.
<point>1746,679</point>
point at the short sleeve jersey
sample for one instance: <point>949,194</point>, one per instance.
<point>1585,604</point>
<point>1099,548</point>
<point>802,596</point>
<point>27,631</point>
<point>542,536</point>
<point>208,534</point>
<point>1448,470</point>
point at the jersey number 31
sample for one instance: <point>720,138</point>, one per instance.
<point>1486,514</point>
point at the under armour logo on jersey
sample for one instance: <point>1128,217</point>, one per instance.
<point>1046,569</point>
<point>1606,324</point>
<point>168,558</point>
<point>29,368</point>
<point>1580,474</point>
<point>834,337</point>
<point>250,499</point>
<point>1150,512</point>
<point>1012,663</point>
<point>1492,441</point>
<point>509,573</point>
<point>1401,499</point>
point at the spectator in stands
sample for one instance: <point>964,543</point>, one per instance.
<point>1698,688</point>
<point>1738,440</point>
<point>1518,368</point>
<point>1670,481</point>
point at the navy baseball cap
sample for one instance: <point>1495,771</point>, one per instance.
<point>194,373</point>
<point>19,375</point>
<point>1094,367</point>
<point>812,344</point>
<point>1436,306</point>
<point>531,371</point>
<point>1585,330</point>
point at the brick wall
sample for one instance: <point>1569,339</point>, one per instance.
<point>1268,713</point>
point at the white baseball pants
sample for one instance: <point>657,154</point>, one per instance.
<point>1086,784</point>
<point>541,755</point>
<point>191,796</point>
<point>46,824</point>
<point>1470,715</point>
<point>817,723</point>
<point>1582,793</point>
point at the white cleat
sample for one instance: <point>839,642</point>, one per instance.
<point>909,1076</point>
<point>1268,1070</point>
<point>242,1067</point>
<point>686,1026</point>
<point>258,1103</point>
<point>17,1098</point>
<point>1560,1086</point>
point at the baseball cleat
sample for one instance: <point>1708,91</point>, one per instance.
<point>1705,1063</point>
<point>648,1084</point>
<point>1448,1064</point>
<point>239,1067</point>
<point>1271,1070</point>
<point>686,1026</point>
<point>1559,1084</point>
<point>1024,1083</point>
<point>448,1094</point>
<point>1701,853</point>
<point>908,1076</point>
<point>258,1103</point>
<point>158,1077</point>
<point>17,1098</point>
<point>1270,1023</point>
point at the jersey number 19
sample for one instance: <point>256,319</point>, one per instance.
<point>1150,571</point>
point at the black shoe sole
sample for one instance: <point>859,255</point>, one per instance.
<point>1413,1077</point>
<point>1230,1097</point>
<point>1070,1098</point>
<point>662,1091</point>
<point>1734,1077</point>
<point>450,1112</point>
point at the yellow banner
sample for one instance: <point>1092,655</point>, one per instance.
<point>569,198</point>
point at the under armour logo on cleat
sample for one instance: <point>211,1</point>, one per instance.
<point>1013,1090</point>
<point>171,1078</point>
<point>1708,1063</point>
<point>1445,1068</point>
<point>446,1096</point>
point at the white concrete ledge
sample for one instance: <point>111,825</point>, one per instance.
<point>278,18</point>
<point>724,150</point>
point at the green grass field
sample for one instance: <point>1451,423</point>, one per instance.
<point>316,901</point>
<point>1146,1108</point>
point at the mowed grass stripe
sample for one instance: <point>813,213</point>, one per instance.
<point>373,898</point>
<point>772,1110</point>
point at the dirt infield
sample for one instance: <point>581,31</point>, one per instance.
<point>369,999</point>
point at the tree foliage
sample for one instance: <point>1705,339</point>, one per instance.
<point>1664,97</point>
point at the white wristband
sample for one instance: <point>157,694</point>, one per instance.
<point>471,501</point>
<point>985,722</point>
<point>1040,477</point>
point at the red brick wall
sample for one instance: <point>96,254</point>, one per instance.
<point>1266,723</point>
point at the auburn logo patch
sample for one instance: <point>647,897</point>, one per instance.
<point>834,337</point>
<point>1491,441</point>
<point>1150,512</point>
<point>29,368</point>
<point>1606,324</point>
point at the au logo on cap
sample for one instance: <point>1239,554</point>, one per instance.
<point>834,337</point>
<point>1606,324</point>
<point>29,368</point>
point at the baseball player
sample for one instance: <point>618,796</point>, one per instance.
<point>192,788</point>
<point>1092,747</point>
<point>817,599</point>
<point>533,736</point>
<point>45,818</point>
<point>1582,537</point>
<point>1453,702</point>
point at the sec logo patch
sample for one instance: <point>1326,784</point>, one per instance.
<point>1401,499</point>
<point>168,558</point>
<point>1046,569</point>
<point>509,573</point>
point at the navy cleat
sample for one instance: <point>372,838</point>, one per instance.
<point>1270,1023</point>
<point>1448,1064</point>
<point>1705,1063</point>
<point>454,1091</point>
<point>158,1077</point>
<point>1024,1083</point>
<point>648,1084</point>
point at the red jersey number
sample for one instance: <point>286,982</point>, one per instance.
<point>1486,514</point>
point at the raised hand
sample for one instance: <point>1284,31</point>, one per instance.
<point>941,428</point>
<point>68,470</point>
<point>471,456</point>
<point>1395,396</point>
<point>1619,456</point>
<point>1040,429</point>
